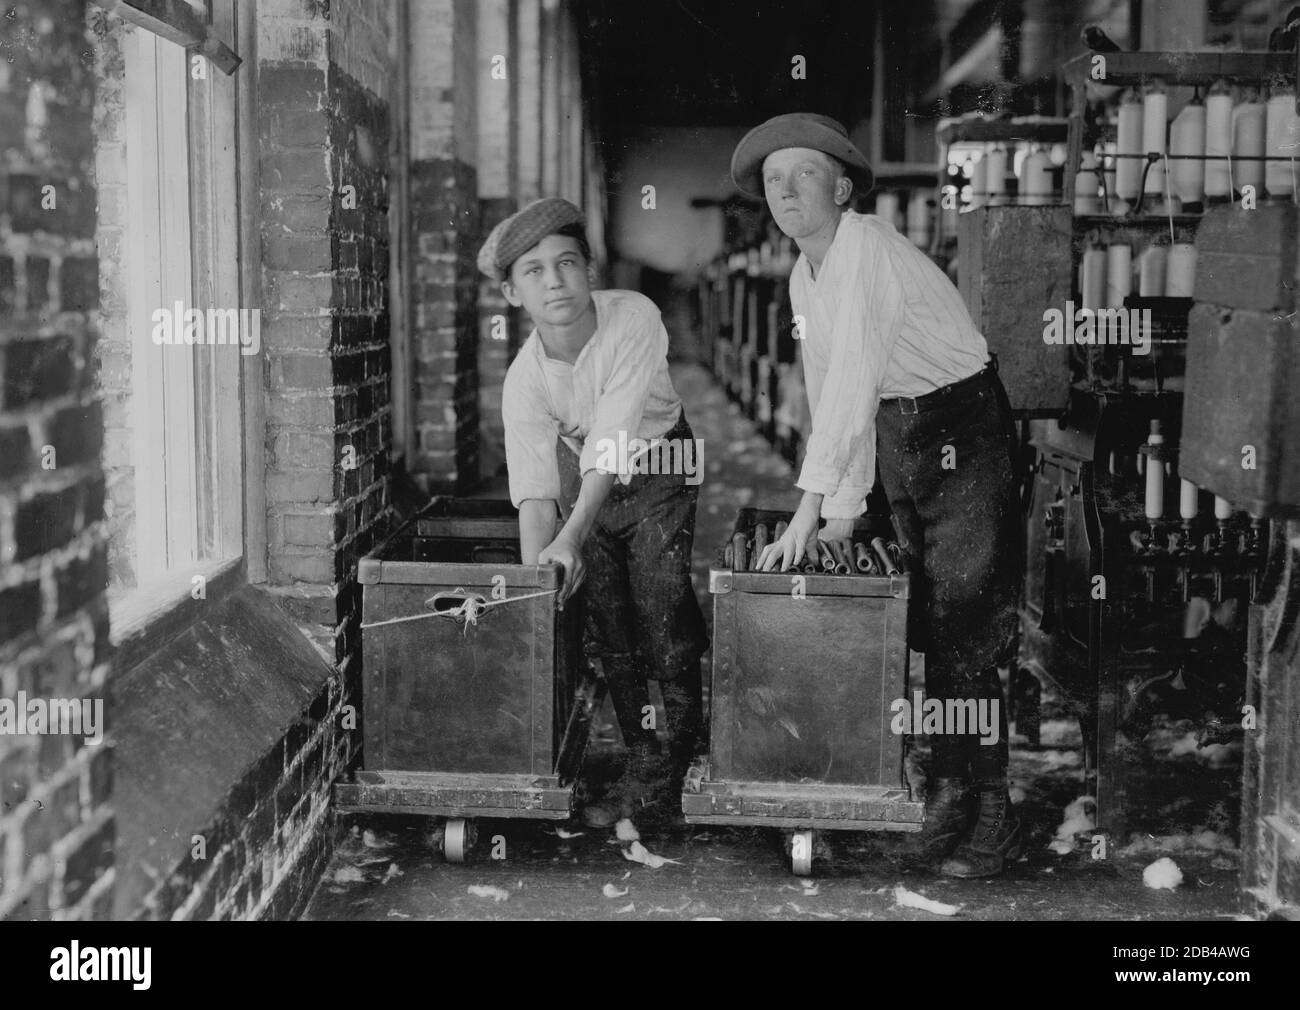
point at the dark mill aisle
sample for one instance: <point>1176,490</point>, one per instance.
<point>386,867</point>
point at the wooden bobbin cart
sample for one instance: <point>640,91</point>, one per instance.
<point>470,710</point>
<point>805,669</point>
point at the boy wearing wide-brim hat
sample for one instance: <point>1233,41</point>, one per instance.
<point>587,404</point>
<point>897,373</point>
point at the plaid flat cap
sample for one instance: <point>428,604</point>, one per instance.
<point>521,231</point>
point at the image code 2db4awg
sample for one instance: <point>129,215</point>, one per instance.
<point>1143,953</point>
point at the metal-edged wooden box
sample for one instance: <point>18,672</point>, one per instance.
<point>806,668</point>
<point>465,717</point>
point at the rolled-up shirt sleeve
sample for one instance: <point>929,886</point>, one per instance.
<point>850,501</point>
<point>531,434</point>
<point>840,460</point>
<point>642,346</point>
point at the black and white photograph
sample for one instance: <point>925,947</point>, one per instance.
<point>778,461</point>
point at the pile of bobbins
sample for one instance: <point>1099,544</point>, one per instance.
<point>1107,273</point>
<point>1035,183</point>
<point>834,557</point>
<point>1212,149</point>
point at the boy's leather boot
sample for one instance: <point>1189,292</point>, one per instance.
<point>947,815</point>
<point>998,838</point>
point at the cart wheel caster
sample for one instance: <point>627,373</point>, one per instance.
<point>801,853</point>
<point>457,839</point>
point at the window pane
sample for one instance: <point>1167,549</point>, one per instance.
<point>181,317</point>
<point>158,278</point>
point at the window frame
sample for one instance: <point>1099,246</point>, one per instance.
<point>159,272</point>
<point>229,539</point>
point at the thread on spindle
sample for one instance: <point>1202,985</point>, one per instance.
<point>1218,141</point>
<point>1151,271</point>
<point>1282,133</point>
<point>1128,170</point>
<point>1187,145</point>
<point>1155,113</point>
<point>1248,143</point>
<point>1180,270</point>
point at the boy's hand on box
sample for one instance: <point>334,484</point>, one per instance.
<point>793,545</point>
<point>566,552</point>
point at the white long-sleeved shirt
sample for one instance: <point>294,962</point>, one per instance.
<point>880,320</point>
<point>617,389</point>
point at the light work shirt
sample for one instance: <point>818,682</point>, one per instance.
<point>880,320</point>
<point>618,384</point>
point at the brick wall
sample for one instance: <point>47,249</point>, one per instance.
<point>498,113</point>
<point>526,28</point>
<point>323,141</point>
<point>323,144</point>
<point>267,844</point>
<point>56,825</point>
<point>444,291</point>
<point>238,826</point>
<point>496,349</point>
<point>324,203</point>
<point>445,237</point>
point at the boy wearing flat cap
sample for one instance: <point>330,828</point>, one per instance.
<point>898,374</point>
<point>590,380</point>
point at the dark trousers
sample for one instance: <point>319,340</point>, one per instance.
<point>949,474</point>
<point>643,618</point>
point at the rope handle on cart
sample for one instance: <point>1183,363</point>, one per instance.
<point>470,607</point>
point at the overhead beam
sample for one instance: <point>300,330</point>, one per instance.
<point>176,21</point>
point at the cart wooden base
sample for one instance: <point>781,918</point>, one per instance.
<point>459,798</point>
<point>445,794</point>
<point>800,809</point>
<point>799,805</point>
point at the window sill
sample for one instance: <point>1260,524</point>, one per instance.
<point>144,619</point>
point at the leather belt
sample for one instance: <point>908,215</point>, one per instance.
<point>944,396</point>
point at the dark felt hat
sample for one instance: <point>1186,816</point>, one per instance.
<point>797,129</point>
